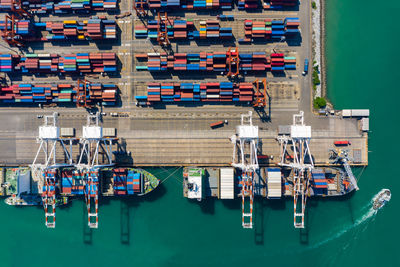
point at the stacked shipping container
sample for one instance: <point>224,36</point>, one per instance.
<point>187,4</point>
<point>214,61</point>
<point>61,7</point>
<point>194,92</point>
<point>58,93</point>
<point>93,29</point>
<point>184,29</point>
<point>279,4</point>
<point>54,63</point>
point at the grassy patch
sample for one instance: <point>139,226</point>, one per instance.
<point>313,5</point>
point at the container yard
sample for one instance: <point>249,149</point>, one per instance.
<point>215,86</point>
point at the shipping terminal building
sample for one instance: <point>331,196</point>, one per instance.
<point>92,92</point>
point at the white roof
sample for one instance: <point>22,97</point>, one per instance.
<point>49,132</point>
<point>274,183</point>
<point>346,112</point>
<point>92,132</point>
<point>197,191</point>
<point>247,131</point>
<point>226,183</point>
<point>300,131</point>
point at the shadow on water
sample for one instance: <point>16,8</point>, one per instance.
<point>87,232</point>
<point>125,223</point>
<point>206,205</point>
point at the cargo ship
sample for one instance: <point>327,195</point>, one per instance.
<point>270,183</point>
<point>24,189</point>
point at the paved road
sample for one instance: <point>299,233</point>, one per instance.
<point>176,135</point>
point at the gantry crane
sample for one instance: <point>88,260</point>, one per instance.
<point>92,144</point>
<point>82,93</point>
<point>260,99</point>
<point>342,156</point>
<point>299,159</point>
<point>46,172</point>
<point>139,6</point>
<point>245,158</point>
<point>8,33</point>
<point>162,30</point>
<point>233,62</point>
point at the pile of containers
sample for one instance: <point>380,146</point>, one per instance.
<point>270,29</point>
<point>21,27</point>
<point>279,4</point>
<point>184,29</point>
<point>61,7</point>
<point>247,4</point>
<point>319,182</point>
<point>95,28</point>
<point>196,92</point>
<point>292,26</point>
<point>189,4</point>
<point>58,93</point>
<point>126,182</point>
<point>54,63</point>
<point>214,61</point>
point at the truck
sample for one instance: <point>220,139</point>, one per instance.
<point>305,66</point>
<point>218,124</point>
<point>342,143</point>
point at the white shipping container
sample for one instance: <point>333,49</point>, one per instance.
<point>69,132</point>
<point>346,112</point>
<point>109,132</point>
<point>360,112</point>
<point>274,183</point>
<point>226,183</point>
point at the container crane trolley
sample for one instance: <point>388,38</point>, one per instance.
<point>299,159</point>
<point>245,144</point>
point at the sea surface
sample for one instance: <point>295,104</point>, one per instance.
<point>164,229</point>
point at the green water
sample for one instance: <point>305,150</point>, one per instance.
<point>164,229</point>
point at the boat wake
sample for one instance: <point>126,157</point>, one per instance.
<point>367,217</point>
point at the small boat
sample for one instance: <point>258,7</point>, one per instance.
<point>381,199</point>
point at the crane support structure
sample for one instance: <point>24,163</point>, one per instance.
<point>260,100</point>
<point>296,155</point>
<point>342,156</point>
<point>140,7</point>
<point>162,30</point>
<point>92,144</point>
<point>245,144</point>
<point>46,171</point>
<point>233,62</point>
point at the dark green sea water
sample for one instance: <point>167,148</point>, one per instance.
<point>164,229</point>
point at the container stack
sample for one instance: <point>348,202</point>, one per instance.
<point>58,93</point>
<point>77,183</point>
<point>119,181</point>
<point>277,62</point>
<point>247,4</point>
<point>279,4</point>
<point>53,63</point>
<point>215,61</point>
<point>189,4</point>
<point>154,92</point>
<point>66,182</point>
<point>270,29</point>
<point>292,26</point>
<point>194,92</point>
<point>319,182</point>
<point>290,63</point>
<point>6,63</point>
<point>184,29</point>
<point>61,6</point>
<point>22,27</point>
<point>93,29</point>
